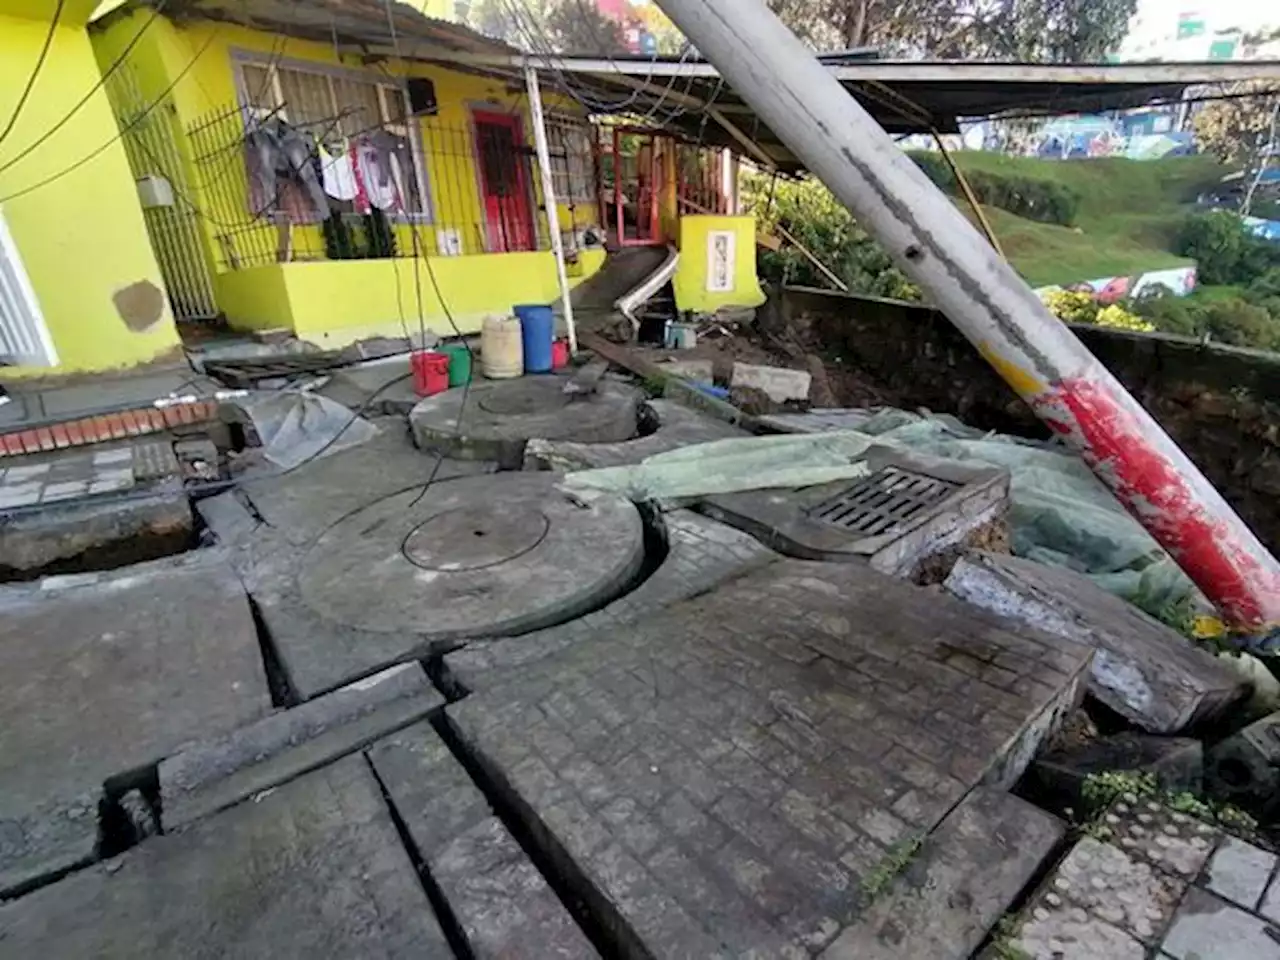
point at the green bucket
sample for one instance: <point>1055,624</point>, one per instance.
<point>459,363</point>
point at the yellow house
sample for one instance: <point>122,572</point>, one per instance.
<point>422,207</point>
<point>80,288</point>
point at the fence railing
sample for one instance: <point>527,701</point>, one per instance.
<point>472,188</point>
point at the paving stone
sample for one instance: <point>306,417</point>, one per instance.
<point>99,678</point>
<point>216,773</point>
<point>504,905</point>
<point>1270,906</point>
<point>1239,872</point>
<point>1173,842</point>
<point>1143,670</point>
<point>936,505</point>
<point>964,876</point>
<point>314,869</point>
<point>1207,927</point>
<point>19,494</point>
<point>667,708</point>
<point>64,490</point>
<point>500,416</point>
<point>702,554</point>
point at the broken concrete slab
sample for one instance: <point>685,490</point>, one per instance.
<point>103,673</point>
<point>314,869</point>
<point>503,904</point>
<point>1244,768</point>
<point>499,417</point>
<point>1239,872</point>
<point>379,387</point>
<point>962,879</point>
<point>779,383</point>
<point>492,556</point>
<point>675,425</point>
<point>1143,670</point>
<point>907,508</point>
<point>217,773</point>
<point>723,776</point>
<point>701,555</point>
<point>1207,926</point>
<point>1058,777</point>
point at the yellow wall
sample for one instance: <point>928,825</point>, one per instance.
<point>335,303</point>
<point>205,50</point>
<point>690,281</point>
<point>81,238</point>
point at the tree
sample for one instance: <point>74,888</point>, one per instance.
<point>1057,31</point>
<point>577,26</point>
<point>1237,130</point>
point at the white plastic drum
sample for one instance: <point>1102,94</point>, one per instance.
<point>501,348</point>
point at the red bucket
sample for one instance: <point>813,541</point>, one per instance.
<point>430,372</point>
<point>559,355</point>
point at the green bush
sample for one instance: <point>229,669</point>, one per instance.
<point>815,218</point>
<point>1226,319</point>
<point>1034,198</point>
<point>1224,249</point>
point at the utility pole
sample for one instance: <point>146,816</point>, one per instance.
<point>549,200</point>
<point>1037,355</point>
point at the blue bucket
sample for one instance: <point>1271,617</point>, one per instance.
<point>538,332</point>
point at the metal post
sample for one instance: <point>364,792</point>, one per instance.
<point>549,200</point>
<point>1044,362</point>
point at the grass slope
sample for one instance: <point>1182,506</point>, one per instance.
<point>1129,213</point>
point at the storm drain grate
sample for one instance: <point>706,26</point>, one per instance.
<point>883,502</point>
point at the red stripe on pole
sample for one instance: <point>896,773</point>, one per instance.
<point>1243,586</point>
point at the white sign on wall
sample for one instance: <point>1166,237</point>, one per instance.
<point>722,258</point>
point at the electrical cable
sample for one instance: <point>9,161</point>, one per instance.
<point>35,72</point>
<point>123,130</point>
<point>106,75</point>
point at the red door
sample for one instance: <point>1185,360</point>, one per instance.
<point>504,182</point>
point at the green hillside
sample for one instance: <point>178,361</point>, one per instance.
<point>1129,211</point>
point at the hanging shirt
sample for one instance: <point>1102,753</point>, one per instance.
<point>338,175</point>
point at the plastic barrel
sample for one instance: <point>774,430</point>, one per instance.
<point>501,354</point>
<point>459,363</point>
<point>538,332</point>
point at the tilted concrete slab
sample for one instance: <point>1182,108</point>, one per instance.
<point>412,574</point>
<point>724,775</point>
<point>218,772</point>
<point>1143,670</point>
<point>104,673</point>
<point>503,904</point>
<point>907,508</point>
<point>674,425</point>
<point>953,889</point>
<point>313,869</point>
<point>494,419</point>
<point>701,555</point>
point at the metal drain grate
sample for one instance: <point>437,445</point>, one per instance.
<point>883,502</point>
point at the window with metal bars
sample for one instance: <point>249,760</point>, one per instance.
<point>573,169</point>
<point>333,105</point>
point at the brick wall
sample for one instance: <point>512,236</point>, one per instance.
<point>1221,404</point>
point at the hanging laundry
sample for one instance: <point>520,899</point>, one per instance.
<point>277,154</point>
<point>337,174</point>
<point>373,171</point>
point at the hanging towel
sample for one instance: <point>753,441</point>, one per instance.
<point>337,173</point>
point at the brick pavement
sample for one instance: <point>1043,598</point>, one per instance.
<point>722,778</point>
<point>1152,882</point>
<point>51,479</point>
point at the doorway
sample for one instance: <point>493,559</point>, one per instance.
<point>504,182</point>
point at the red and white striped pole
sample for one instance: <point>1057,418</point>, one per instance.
<point>941,251</point>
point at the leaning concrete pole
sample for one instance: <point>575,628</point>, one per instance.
<point>942,252</point>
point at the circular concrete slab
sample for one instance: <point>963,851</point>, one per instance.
<point>490,556</point>
<point>496,418</point>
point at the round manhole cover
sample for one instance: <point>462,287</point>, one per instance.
<point>473,538</point>
<point>526,397</point>
<point>488,556</point>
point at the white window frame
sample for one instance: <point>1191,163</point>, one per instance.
<point>24,336</point>
<point>380,81</point>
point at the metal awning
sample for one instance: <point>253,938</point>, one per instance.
<point>904,96</point>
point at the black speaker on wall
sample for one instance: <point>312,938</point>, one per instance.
<point>422,97</point>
